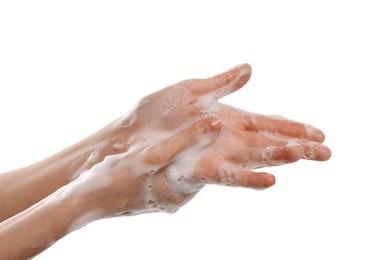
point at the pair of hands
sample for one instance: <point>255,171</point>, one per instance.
<point>175,141</point>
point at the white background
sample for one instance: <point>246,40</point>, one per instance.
<point>68,68</point>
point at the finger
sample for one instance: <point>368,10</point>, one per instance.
<point>222,84</point>
<point>315,151</point>
<point>270,156</point>
<point>254,180</point>
<point>282,126</point>
<point>311,150</point>
<point>200,134</point>
<point>243,178</point>
<point>273,124</point>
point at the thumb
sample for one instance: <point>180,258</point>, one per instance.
<point>224,83</point>
<point>198,135</point>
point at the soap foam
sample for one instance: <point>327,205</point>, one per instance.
<point>230,88</point>
<point>179,171</point>
<point>118,146</point>
<point>309,129</point>
<point>183,167</point>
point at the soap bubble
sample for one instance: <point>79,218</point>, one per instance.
<point>204,114</point>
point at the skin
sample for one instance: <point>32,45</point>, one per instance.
<point>154,158</point>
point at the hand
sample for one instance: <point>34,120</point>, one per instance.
<point>138,181</point>
<point>161,122</point>
<point>247,141</point>
<point>155,158</point>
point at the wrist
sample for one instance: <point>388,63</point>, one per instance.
<point>69,163</point>
<point>81,203</point>
<point>83,211</point>
<point>32,231</point>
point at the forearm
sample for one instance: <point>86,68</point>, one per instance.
<point>35,229</point>
<point>19,189</point>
